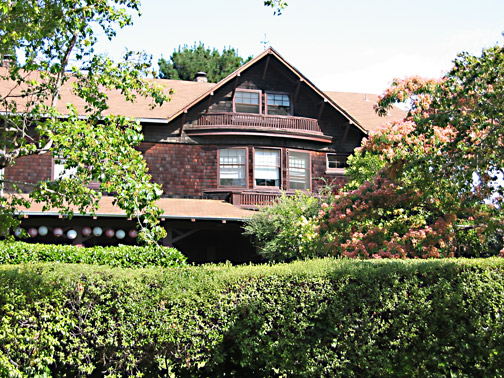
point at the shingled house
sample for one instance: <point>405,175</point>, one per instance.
<point>221,150</point>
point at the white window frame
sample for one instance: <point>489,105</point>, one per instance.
<point>278,168</point>
<point>332,170</point>
<point>244,167</point>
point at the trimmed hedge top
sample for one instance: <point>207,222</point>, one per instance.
<point>316,318</point>
<point>125,256</point>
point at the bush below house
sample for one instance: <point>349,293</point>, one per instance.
<point>125,256</point>
<point>286,230</point>
<point>306,319</point>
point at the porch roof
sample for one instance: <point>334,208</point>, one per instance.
<point>173,208</point>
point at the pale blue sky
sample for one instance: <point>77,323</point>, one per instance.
<point>340,45</point>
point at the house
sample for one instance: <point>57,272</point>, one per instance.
<point>219,151</point>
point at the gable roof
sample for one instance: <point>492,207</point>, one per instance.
<point>246,66</point>
<point>358,108</point>
<point>355,107</point>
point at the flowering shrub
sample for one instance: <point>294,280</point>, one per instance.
<point>428,186</point>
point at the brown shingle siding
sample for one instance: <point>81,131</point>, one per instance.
<point>30,169</point>
<point>182,170</point>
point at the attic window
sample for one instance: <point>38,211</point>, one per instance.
<point>247,101</point>
<point>278,103</point>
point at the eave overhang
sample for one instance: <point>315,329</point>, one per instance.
<point>203,131</point>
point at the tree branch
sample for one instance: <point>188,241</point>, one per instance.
<point>61,73</point>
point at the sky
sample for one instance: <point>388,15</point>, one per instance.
<point>340,45</point>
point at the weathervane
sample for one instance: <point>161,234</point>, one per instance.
<point>265,42</point>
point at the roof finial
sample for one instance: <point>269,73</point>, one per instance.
<point>265,42</point>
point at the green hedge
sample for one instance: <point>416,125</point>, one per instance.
<point>125,256</point>
<point>306,319</point>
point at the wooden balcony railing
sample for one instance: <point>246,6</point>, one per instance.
<point>260,121</point>
<point>253,200</point>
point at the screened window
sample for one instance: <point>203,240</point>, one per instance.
<point>299,170</point>
<point>278,104</point>
<point>267,167</point>
<point>232,167</point>
<point>247,102</point>
<point>336,161</point>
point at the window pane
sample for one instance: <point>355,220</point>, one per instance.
<point>278,99</point>
<point>232,156</point>
<point>247,97</point>
<point>336,161</point>
<point>232,165</point>
<point>278,104</point>
<point>243,108</point>
<point>267,158</point>
<point>299,170</point>
<point>247,102</point>
<point>267,167</point>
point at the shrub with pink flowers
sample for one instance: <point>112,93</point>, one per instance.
<point>430,185</point>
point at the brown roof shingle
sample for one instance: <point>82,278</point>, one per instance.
<point>360,106</point>
<point>184,92</point>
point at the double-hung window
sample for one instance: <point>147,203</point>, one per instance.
<point>267,167</point>
<point>278,104</point>
<point>232,167</point>
<point>299,170</point>
<point>257,102</point>
<point>247,101</point>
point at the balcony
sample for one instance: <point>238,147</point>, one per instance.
<point>259,121</point>
<point>253,200</point>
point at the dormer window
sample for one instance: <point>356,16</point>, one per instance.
<point>247,101</point>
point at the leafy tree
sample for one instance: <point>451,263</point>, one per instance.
<point>428,186</point>
<point>48,35</point>
<point>187,61</point>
